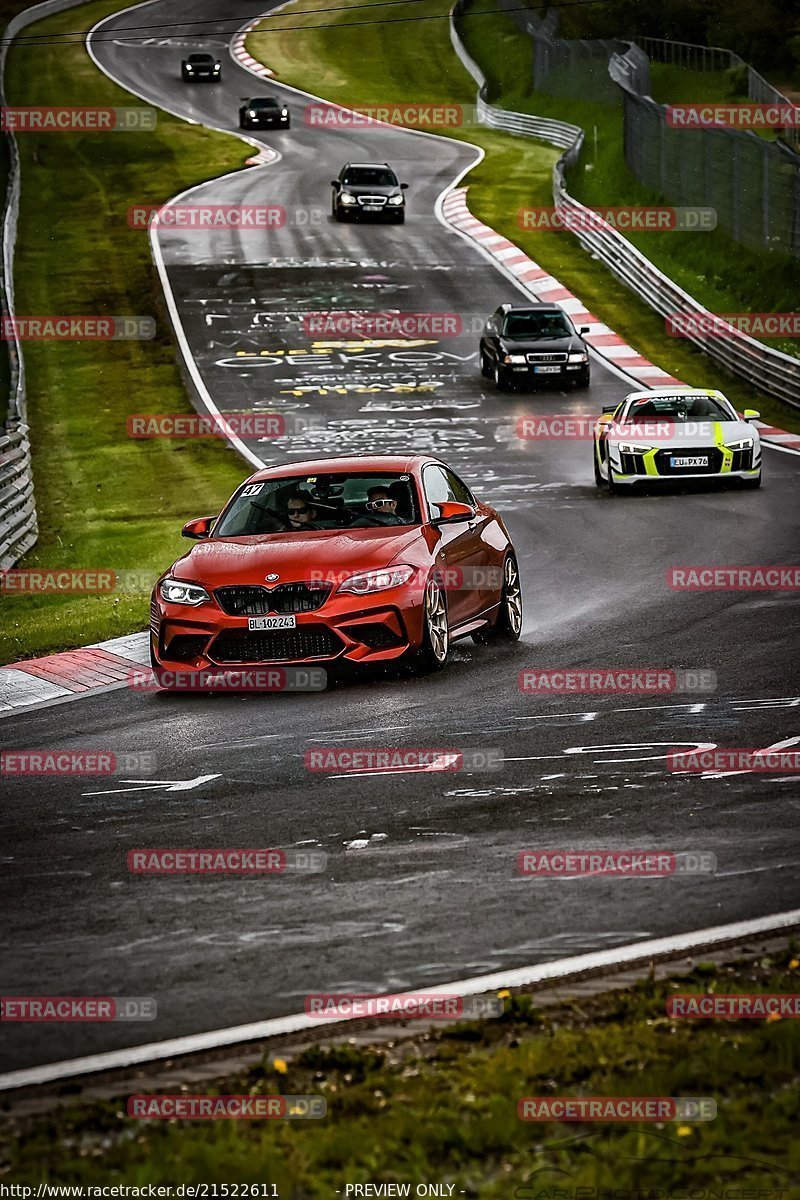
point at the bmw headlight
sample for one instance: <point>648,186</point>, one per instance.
<point>396,199</point>
<point>376,581</point>
<point>745,444</point>
<point>176,592</point>
<point>632,448</point>
<point>514,358</point>
<point>347,198</point>
<point>578,358</point>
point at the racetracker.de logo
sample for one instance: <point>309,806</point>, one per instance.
<point>256,679</point>
<point>735,1006</point>
<point>343,759</point>
<point>193,425</point>
<point>617,1108</point>
<point>373,115</point>
<point>660,219</point>
<point>624,864</point>
<point>206,217</point>
<point>556,427</point>
<point>404,1006</point>
<point>254,861</point>
<point>724,115</point>
<point>734,579</point>
<point>81,1009</point>
<point>382,324</point>
<point>691,762</point>
<point>733,325</point>
<point>56,328</point>
<point>225,1108</point>
<point>77,120</point>
<point>75,762</point>
<point>629,681</point>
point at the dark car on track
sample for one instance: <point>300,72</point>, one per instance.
<point>368,190</point>
<point>264,112</point>
<point>533,344</point>
<point>361,560</point>
<point>201,66</point>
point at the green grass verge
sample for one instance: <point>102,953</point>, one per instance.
<point>442,1108</point>
<point>410,58</point>
<point>104,501</point>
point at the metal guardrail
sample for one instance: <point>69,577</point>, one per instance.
<point>18,525</point>
<point>767,369</point>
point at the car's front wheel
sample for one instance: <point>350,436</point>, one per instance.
<point>435,645</point>
<point>598,478</point>
<point>751,484</point>
<point>501,380</point>
<point>508,623</point>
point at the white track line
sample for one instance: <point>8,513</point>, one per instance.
<point>552,972</point>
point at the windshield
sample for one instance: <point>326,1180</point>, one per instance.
<point>200,58</point>
<point>680,408</point>
<point>302,503</point>
<point>537,325</point>
<point>370,177</point>
<point>264,103</point>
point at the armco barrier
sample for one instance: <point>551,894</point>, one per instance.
<point>767,369</point>
<point>18,528</point>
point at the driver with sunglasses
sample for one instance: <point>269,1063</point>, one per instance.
<point>300,513</point>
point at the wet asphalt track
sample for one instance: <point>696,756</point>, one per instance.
<point>421,885</point>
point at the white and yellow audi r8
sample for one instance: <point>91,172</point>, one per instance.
<point>674,434</point>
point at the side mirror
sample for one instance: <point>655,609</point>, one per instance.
<point>584,329</point>
<point>610,408</point>
<point>199,528</point>
<point>453,510</point>
<point>335,183</point>
<point>403,186</point>
<point>751,414</point>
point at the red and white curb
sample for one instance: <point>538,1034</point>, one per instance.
<point>99,668</point>
<point>545,287</point>
<point>242,55</point>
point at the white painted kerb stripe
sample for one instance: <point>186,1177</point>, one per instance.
<point>478,984</point>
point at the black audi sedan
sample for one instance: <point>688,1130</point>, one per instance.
<point>533,344</point>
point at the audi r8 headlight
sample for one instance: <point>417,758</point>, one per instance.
<point>376,581</point>
<point>396,199</point>
<point>744,444</point>
<point>176,592</point>
<point>578,358</point>
<point>347,198</point>
<point>632,448</point>
<point>514,358</point>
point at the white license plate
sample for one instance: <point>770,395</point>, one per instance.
<point>546,370</point>
<point>372,207</point>
<point>699,461</point>
<point>271,622</point>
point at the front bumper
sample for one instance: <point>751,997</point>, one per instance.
<point>378,628</point>
<point>656,464</point>
<point>534,374</point>
<point>265,122</point>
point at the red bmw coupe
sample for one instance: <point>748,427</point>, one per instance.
<point>359,559</point>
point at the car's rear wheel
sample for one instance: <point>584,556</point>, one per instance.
<point>432,654</point>
<point>508,623</point>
